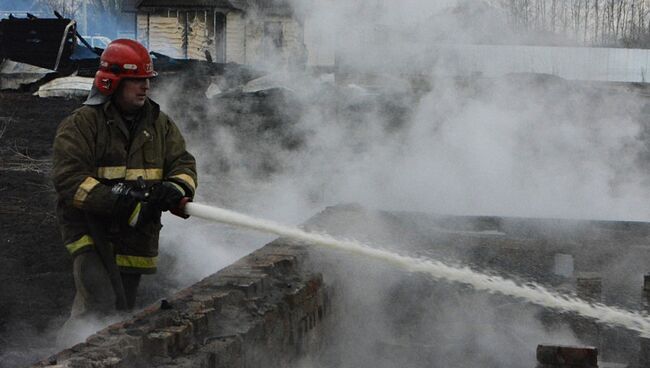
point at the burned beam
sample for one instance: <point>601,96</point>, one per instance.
<point>46,43</point>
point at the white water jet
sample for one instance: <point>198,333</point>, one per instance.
<point>531,292</point>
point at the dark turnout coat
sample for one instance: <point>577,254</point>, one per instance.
<point>93,150</point>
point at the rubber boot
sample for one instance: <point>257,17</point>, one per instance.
<point>94,300</point>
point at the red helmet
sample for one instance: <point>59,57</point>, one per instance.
<point>122,59</point>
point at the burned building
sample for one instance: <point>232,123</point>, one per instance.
<point>238,31</point>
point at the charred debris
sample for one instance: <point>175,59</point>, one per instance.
<point>55,45</point>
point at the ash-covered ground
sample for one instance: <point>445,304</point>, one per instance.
<point>37,286</point>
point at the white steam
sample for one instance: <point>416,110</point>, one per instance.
<point>402,130</point>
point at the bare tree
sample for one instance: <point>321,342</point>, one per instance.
<point>111,7</point>
<point>67,8</point>
<point>576,7</point>
<point>620,19</point>
<point>553,14</point>
<point>596,20</point>
<point>591,22</point>
<point>72,8</point>
<point>586,20</point>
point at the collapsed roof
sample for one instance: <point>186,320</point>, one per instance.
<point>52,44</point>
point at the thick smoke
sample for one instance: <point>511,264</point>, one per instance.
<point>409,320</point>
<point>394,134</point>
<point>499,147</point>
<point>402,129</point>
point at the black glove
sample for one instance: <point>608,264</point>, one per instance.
<point>127,192</point>
<point>166,195</point>
<point>131,205</point>
<point>142,214</point>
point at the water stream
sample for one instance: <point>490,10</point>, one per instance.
<point>530,292</point>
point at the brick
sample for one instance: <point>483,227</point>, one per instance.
<point>77,362</point>
<point>203,300</point>
<point>200,323</point>
<point>183,335</point>
<point>251,286</point>
<point>97,339</point>
<point>574,356</point>
<point>159,343</point>
<point>163,319</point>
<point>195,361</point>
<point>275,264</point>
<point>644,352</point>
<point>105,357</point>
<point>225,352</point>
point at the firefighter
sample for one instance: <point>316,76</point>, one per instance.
<point>118,163</point>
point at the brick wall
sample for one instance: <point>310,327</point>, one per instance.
<point>262,311</point>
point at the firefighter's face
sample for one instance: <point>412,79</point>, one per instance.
<point>132,94</point>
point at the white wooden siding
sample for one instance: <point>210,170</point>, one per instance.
<point>294,47</point>
<point>142,22</point>
<point>166,36</point>
<point>235,38</point>
<point>245,41</point>
<point>320,45</point>
<point>198,38</point>
<point>254,37</point>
